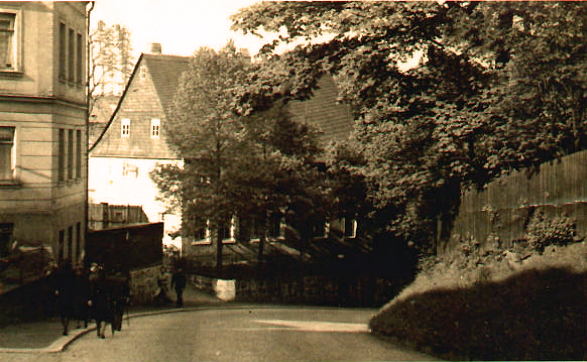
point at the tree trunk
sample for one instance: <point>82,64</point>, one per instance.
<point>219,247</point>
<point>262,239</point>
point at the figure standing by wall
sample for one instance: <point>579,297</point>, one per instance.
<point>178,281</point>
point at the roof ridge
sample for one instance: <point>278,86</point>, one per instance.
<point>168,56</point>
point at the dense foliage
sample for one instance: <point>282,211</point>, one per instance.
<point>542,231</point>
<point>498,86</point>
<point>235,166</point>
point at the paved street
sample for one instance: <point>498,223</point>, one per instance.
<point>236,334</point>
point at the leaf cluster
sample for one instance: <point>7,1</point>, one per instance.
<point>498,86</point>
<point>237,163</point>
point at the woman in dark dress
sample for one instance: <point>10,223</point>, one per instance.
<point>64,279</point>
<point>100,303</point>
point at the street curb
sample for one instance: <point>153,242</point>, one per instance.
<point>61,343</point>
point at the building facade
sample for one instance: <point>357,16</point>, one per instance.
<point>133,142</point>
<point>43,113</point>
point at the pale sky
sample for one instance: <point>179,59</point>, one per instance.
<point>181,26</point>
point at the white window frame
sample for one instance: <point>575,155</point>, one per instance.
<point>353,232</point>
<point>326,229</point>
<point>12,154</point>
<point>16,41</point>
<point>155,128</point>
<point>207,236</point>
<point>232,231</point>
<point>143,72</point>
<point>125,128</point>
<point>130,170</point>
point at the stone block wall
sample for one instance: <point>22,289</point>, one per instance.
<point>318,290</point>
<point>143,284</point>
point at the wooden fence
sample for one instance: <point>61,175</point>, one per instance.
<point>504,208</point>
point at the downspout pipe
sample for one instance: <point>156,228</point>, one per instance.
<point>88,95</point>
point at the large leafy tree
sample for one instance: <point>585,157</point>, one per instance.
<point>249,166</point>
<point>498,86</point>
<point>204,130</point>
<point>278,173</point>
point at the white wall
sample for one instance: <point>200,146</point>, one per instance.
<point>126,181</point>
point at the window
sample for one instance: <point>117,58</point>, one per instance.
<point>78,152</point>
<point>129,169</point>
<point>155,126</point>
<point>6,153</point>
<point>6,230</point>
<point>202,234</point>
<point>71,56</point>
<point>256,229</point>
<point>70,154</point>
<point>61,246</point>
<point>7,41</point>
<point>350,228</point>
<point>70,243</point>
<point>228,229</point>
<point>61,157</point>
<point>62,51</point>
<point>78,241</point>
<point>142,73</point>
<point>79,60</point>
<point>276,226</point>
<point>125,128</point>
<point>321,229</point>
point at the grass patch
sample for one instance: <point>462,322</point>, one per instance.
<point>518,304</point>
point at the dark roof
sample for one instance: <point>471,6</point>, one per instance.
<point>324,112</point>
<point>165,71</point>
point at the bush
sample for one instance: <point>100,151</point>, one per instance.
<point>484,302</point>
<point>542,232</point>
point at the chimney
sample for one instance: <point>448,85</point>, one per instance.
<point>244,53</point>
<point>156,48</point>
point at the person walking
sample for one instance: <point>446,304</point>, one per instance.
<point>178,280</point>
<point>120,299</point>
<point>81,296</point>
<point>100,300</point>
<point>64,279</point>
<point>161,297</point>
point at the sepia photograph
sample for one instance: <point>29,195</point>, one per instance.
<point>247,181</point>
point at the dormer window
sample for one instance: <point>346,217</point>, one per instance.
<point>125,128</point>
<point>155,128</point>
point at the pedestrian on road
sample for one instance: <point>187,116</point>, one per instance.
<point>64,279</point>
<point>161,297</point>
<point>119,300</point>
<point>81,296</point>
<point>178,281</point>
<point>100,301</point>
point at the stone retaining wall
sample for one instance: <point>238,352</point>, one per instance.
<point>318,290</point>
<point>143,284</point>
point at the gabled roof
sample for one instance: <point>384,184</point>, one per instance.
<point>323,111</point>
<point>165,71</point>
